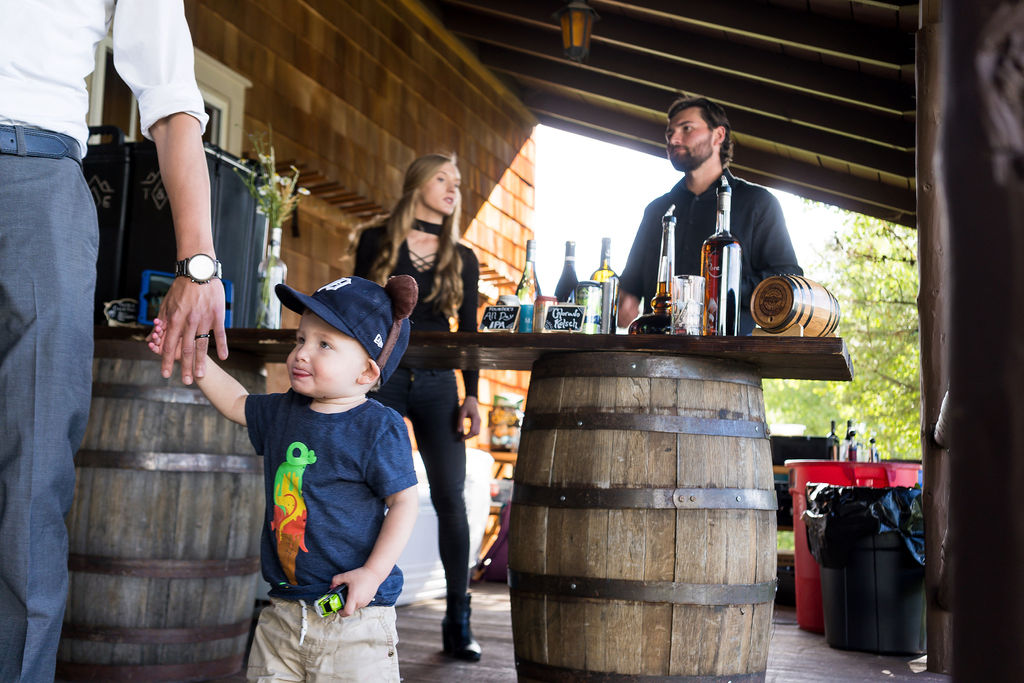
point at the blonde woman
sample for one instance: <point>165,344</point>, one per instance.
<point>421,239</point>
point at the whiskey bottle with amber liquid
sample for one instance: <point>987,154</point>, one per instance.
<point>720,267</point>
<point>659,320</point>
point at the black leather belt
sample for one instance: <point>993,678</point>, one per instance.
<point>33,142</point>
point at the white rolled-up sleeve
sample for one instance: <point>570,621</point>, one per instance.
<point>154,56</point>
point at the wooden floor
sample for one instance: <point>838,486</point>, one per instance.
<point>794,656</point>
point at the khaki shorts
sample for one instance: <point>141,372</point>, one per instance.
<point>357,648</point>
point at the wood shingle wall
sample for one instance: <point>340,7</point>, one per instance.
<point>354,90</point>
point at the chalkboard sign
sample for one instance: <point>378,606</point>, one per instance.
<point>563,318</point>
<point>500,319</point>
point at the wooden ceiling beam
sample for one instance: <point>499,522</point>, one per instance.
<point>809,176</point>
<point>733,92</point>
<point>678,44</point>
<point>770,165</point>
<point>885,213</point>
<point>538,71</point>
<point>796,28</point>
<point>818,195</point>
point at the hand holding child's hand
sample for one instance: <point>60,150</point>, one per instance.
<point>157,336</point>
<point>362,586</point>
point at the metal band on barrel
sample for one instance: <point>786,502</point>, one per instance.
<point>646,422</point>
<point>671,592</point>
<point>163,568</point>
<point>548,672</point>
<point>135,635</point>
<point>207,670</point>
<point>169,462</point>
<point>148,393</point>
<point>650,499</point>
<point>626,365</point>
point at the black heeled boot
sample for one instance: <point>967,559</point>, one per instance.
<point>458,639</point>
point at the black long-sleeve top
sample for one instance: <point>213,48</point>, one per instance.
<point>425,317</point>
<point>756,221</point>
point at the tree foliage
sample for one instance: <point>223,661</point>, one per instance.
<point>870,266</point>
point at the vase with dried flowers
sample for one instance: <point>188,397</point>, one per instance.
<point>276,196</point>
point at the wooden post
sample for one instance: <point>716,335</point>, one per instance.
<point>983,157</point>
<point>932,300</point>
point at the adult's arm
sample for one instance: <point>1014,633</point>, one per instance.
<point>153,54</point>
<point>470,409</point>
<point>467,311</point>
<point>188,308</point>
<point>366,251</point>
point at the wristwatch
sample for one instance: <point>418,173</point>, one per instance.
<point>200,268</point>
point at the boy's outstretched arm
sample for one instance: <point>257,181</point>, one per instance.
<point>394,534</point>
<point>222,390</point>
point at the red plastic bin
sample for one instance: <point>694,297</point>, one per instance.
<point>809,614</point>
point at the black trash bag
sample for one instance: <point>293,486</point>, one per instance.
<point>837,517</point>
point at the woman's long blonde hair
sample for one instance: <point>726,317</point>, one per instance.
<point>447,290</point>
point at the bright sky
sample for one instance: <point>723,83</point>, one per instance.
<point>587,189</point>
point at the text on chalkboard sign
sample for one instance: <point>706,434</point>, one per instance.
<point>563,318</point>
<point>500,319</point>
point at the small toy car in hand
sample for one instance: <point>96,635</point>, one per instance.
<point>332,601</point>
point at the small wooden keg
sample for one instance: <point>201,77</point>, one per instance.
<point>782,301</point>
<point>642,531</point>
<point>164,531</point>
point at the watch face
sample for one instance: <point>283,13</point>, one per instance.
<point>201,267</point>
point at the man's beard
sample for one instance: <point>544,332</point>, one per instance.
<point>696,157</point>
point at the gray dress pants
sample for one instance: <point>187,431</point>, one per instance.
<point>48,248</point>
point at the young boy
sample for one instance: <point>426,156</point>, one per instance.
<point>334,461</point>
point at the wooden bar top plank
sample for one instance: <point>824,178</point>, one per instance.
<point>814,358</point>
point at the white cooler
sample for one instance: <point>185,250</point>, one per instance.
<point>420,561</point>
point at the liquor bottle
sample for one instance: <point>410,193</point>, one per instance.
<point>720,267</point>
<point>528,289</point>
<point>565,290</point>
<point>832,443</point>
<point>659,320</point>
<point>844,447</point>
<point>272,272</point>
<point>610,288</point>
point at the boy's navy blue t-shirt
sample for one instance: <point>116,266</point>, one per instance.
<point>326,477</point>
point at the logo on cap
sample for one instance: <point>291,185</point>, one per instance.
<point>337,284</point>
<point>378,341</point>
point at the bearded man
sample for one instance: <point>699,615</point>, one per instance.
<point>699,145</point>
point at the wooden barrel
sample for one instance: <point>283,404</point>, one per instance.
<point>164,529</point>
<point>642,534</point>
<point>782,301</point>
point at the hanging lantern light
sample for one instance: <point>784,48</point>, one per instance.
<point>577,19</point>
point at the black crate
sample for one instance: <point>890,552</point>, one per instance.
<point>798,448</point>
<point>139,235</point>
<point>107,172</point>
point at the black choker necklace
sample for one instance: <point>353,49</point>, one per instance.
<point>423,226</point>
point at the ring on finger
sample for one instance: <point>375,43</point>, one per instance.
<point>204,336</point>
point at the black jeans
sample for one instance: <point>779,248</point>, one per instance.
<point>430,399</point>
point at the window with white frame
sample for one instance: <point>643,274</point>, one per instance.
<point>223,89</point>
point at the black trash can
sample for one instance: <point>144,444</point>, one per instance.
<point>869,544</point>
